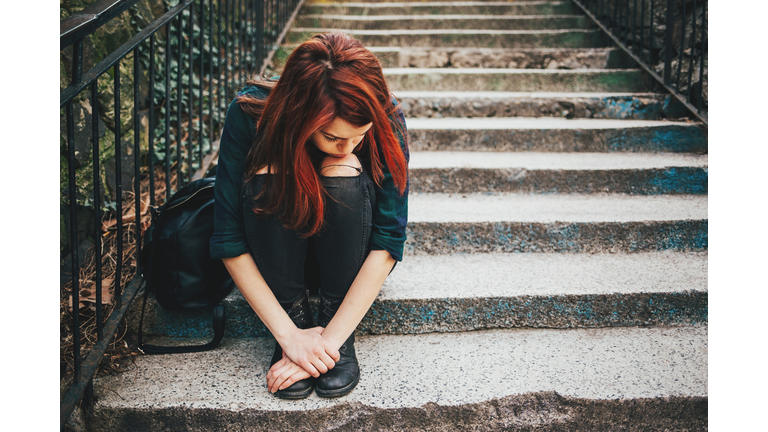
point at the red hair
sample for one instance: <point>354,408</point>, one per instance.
<point>330,75</point>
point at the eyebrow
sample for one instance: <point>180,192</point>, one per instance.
<point>334,136</point>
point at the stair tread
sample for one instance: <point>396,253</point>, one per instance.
<point>439,31</point>
<point>518,207</point>
<point>509,275</point>
<point>536,123</point>
<point>447,369</point>
<point>483,71</point>
<point>474,276</point>
<point>438,3</point>
<point>478,49</point>
<point>516,95</point>
<point>438,17</point>
<point>551,161</point>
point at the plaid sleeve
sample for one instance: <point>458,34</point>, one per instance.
<point>239,133</point>
<point>390,216</point>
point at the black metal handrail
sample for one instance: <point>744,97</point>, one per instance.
<point>648,30</point>
<point>215,45</point>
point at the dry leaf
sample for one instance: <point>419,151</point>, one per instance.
<point>127,218</point>
<point>106,294</point>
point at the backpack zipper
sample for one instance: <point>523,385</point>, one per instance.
<point>189,197</point>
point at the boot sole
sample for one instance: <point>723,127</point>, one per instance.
<point>338,392</point>
<point>294,395</point>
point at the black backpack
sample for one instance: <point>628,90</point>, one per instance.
<point>176,262</point>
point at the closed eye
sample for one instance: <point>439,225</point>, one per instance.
<point>330,139</point>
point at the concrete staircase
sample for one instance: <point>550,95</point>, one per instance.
<point>556,268</point>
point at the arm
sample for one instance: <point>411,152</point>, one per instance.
<point>307,348</point>
<point>360,297</point>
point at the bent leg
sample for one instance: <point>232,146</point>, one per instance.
<point>278,252</point>
<point>342,244</point>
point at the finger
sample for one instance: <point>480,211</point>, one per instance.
<point>320,366</point>
<point>274,384</point>
<point>274,369</point>
<point>298,376</point>
<point>310,368</point>
<point>277,373</point>
<point>332,352</point>
<point>280,382</point>
<point>328,362</point>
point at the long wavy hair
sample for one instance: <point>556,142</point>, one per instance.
<point>330,75</point>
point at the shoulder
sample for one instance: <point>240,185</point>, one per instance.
<point>253,91</point>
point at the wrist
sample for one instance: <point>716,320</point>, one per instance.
<point>284,332</point>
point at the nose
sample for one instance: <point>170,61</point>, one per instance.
<point>348,145</point>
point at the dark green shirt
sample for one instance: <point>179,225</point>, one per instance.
<point>390,214</point>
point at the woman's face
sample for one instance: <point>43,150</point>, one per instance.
<point>339,138</point>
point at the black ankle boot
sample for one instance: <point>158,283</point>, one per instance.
<point>301,315</point>
<point>345,375</point>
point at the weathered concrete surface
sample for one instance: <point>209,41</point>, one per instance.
<point>631,378</point>
<point>584,173</point>
<point>554,161</point>
<point>464,38</point>
<point>652,181</point>
<point>517,80</point>
<point>445,223</point>
<point>627,106</point>
<point>424,22</point>
<point>450,208</point>
<point>461,292</point>
<point>560,237</point>
<point>524,134</point>
<point>519,58</point>
<point>442,8</point>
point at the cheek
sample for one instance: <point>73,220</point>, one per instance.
<point>317,141</point>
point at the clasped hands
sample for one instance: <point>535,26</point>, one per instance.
<point>305,353</point>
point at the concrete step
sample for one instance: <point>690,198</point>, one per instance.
<point>582,173</point>
<point>629,106</point>
<point>463,21</point>
<point>519,58</point>
<point>523,134</point>
<point>464,38</point>
<point>321,2</point>
<point>577,380</point>
<point>443,8</point>
<point>462,292</point>
<point>507,222</point>
<point>517,80</point>
<point>511,58</point>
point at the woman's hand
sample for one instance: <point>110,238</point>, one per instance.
<point>305,347</point>
<point>284,374</point>
<point>310,351</point>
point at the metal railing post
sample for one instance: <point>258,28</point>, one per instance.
<point>668,43</point>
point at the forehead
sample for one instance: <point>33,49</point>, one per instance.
<point>342,129</point>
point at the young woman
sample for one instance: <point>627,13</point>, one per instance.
<point>312,186</point>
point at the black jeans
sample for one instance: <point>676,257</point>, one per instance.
<point>328,260</point>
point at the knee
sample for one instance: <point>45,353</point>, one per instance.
<point>347,166</point>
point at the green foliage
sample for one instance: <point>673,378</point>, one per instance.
<point>203,57</point>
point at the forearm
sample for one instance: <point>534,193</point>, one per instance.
<point>360,296</point>
<point>251,283</point>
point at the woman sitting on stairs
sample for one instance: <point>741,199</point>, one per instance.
<point>312,191</point>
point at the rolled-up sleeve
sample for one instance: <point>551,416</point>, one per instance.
<point>390,216</point>
<point>239,133</point>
